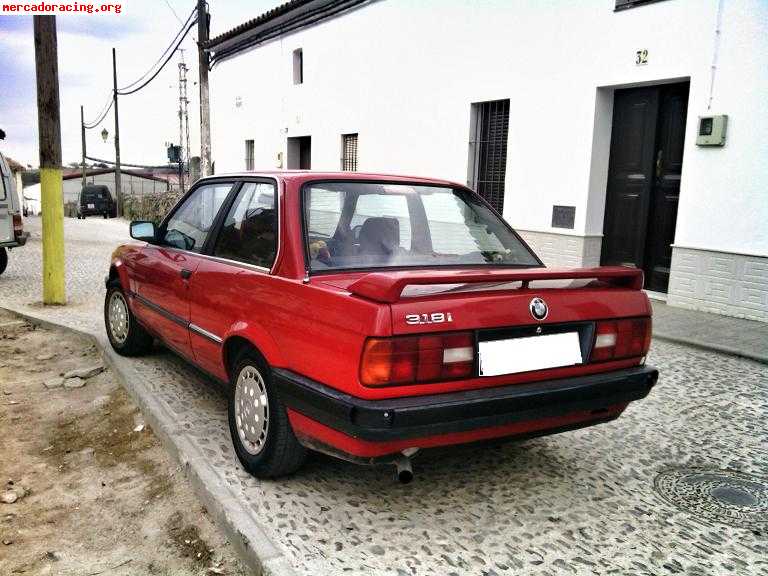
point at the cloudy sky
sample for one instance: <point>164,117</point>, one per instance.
<point>148,119</point>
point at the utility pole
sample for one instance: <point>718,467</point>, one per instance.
<point>49,133</point>
<point>118,190</point>
<point>205,112</point>
<point>182,112</point>
<point>82,142</point>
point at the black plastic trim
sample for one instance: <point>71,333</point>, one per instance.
<point>160,310</point>
<point>420,416</point>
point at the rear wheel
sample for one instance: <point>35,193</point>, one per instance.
<point>3,260</point>
<point>258,422</point>
<point>126,335</point>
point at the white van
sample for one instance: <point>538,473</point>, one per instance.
<point>11,227</point>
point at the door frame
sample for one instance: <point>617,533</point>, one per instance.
<point>601,146</point>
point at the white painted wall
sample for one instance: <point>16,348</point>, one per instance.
<point>403,74</point>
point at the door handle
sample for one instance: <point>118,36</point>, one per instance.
<point>186,274</point>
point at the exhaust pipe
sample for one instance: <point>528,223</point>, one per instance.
<point>404,470</point>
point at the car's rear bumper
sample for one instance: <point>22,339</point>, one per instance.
<point>459,416</point>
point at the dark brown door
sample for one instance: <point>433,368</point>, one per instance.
<point>644,179</point>
<point>305,153</point>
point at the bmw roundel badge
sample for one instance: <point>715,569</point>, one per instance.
<point>538,308</point>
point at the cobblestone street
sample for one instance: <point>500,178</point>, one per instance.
<point>678,485</point>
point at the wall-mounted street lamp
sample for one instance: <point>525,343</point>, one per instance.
<point>104,134</point>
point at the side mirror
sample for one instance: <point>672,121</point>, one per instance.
<point>144,231</point>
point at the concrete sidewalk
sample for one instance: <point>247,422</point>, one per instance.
<point>736,336</point>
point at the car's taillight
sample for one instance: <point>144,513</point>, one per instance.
<point>18,225</point>
<point>412,359</point>
<point>625,338</point>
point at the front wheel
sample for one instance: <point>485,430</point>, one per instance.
<point>3,260</point>
<point>126,335</point>
<point>261,432</point>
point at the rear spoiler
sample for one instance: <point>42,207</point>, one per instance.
<point>388,286</point>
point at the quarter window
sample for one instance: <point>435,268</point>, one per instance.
<point>249,233</point>
<point>189,226</point>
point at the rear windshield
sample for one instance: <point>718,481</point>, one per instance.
<point>353,225</point>
<point>97,193</point>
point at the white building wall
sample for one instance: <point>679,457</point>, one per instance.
<point>403,74</point>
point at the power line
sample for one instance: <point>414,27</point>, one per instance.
<point>131,165</point>
<point>183,25</point>
<point>102,114</point>
<point>174,11</point>
<point>167,53</point>
<point>170,55</point>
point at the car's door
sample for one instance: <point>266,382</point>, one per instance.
<point>163,270</point>
<point>6,199</point>
<point>233,283</point>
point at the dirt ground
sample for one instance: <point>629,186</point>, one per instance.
<point>95,492</point>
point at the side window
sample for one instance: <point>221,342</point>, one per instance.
<point>249,233</point>
<point>189,226</point>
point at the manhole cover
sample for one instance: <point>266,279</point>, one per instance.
<point>719,495</point>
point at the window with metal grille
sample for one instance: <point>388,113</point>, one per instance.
<point>249,162</point>
<point>349,152</point>
<point>488,150</point>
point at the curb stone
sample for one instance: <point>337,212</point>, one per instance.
<point>693,343</point>
<point>242,529</point>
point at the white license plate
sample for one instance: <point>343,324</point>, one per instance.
<point>530,353</point>
<point>91,206</point>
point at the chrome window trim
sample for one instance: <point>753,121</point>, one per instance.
<point>238,263</point>
<point>203,332</point>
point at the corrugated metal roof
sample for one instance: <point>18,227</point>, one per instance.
<point>279,21</point>
<point>261,19</point>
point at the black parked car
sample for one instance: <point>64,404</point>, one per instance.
<point>95,199</point>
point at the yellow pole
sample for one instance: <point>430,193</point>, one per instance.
<point>52,200</point>
<point>49,128</point>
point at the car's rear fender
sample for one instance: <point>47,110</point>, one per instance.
<point>249,333</point>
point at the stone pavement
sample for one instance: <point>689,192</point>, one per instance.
<point>679,484</point>
<point>746,338</point>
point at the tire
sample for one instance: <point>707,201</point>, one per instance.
<point>272,450</point>
<point>126,335</point>
<point>3,259</point>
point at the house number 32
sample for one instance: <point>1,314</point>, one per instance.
<point>641,57</point>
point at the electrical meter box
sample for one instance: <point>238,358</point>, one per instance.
<point>712,130</point>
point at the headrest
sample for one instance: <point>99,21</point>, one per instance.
<point>379,236</point>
